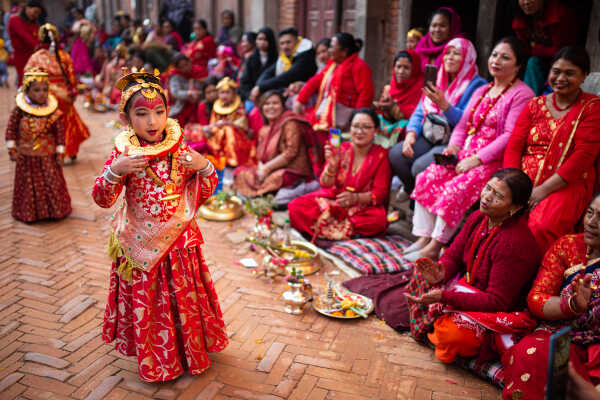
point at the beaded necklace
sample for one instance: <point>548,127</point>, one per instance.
<point>559,109</point>
<point>471,129</point>
<point>474,260</point>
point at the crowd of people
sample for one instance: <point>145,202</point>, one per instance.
<point>501,174</point>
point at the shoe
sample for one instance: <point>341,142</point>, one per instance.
<point>412,248</point>
<point>412,257</point>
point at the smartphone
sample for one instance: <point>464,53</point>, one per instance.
<point>431,72</point>
<point>558,365</point>
<point>445,160</point>
<point>335,137</point>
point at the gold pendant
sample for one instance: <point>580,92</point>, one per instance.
<point>471,131</point>
<point>36,145</point>
<point>170,190</point>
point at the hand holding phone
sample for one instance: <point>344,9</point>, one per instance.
<point>431,72</point>
<point>335,138</point>
<point>445,160</point>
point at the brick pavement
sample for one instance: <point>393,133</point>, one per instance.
<point>53,283</point>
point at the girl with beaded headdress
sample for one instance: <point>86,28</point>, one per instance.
<point>35,138</point>
<point>226,134</point>
<point>162,305</point>
<point>63,85</point>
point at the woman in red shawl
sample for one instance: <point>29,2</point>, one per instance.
<point>184,90</point>
<point>556,141</point>
<point>281,151</point>
<point>203,47</point>
<point>445,24</point>
<point>23,32</point>
<point>565,292</point>
<point>63,85</point>
<point>170,36</point>
<point>400,98</point>
<point>355,187</point>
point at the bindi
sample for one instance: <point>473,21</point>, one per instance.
<point>150,103</point>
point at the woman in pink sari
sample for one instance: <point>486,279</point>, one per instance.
<point>444,193</point>
<point>355,183</point>
<point>444,25</point>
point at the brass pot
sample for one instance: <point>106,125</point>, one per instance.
<point>309,265</point>
<point>228,211</point>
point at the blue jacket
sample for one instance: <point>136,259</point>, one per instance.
<point>453,114</point>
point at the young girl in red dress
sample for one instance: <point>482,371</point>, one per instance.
<point>35,138</point>
<point>162,306</point>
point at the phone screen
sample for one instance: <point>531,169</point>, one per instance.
<point>558,374</point>
<point>335,137</point>
<point>430,74</point>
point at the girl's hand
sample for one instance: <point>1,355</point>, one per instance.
<point>431,271</point>
<point>467,164</point>
<point>582,292</point>
<point>12,155</point>
<point>538,194</point>
<point>407,146</point>
<point>347,199</point>
<point>451,150</point>
<point>191,159</point>
<point>261,174</point>
<point>437,96</point>
<point>433,296</point>
<point>125,165</point>
<point>331,156</point>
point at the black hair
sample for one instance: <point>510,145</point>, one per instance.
<point>126,17</point>
<point>440,11</point>
<point>272,50</point>
<point>202,23</point>
<point>265,96</point>
<point>149,79</point>
<point>31,3</point>
<point>136,52</point>
<point>359,43</point>
<point>577,55</point>
<point>178,57</point>
<point>250,37</point>
<point>288,31</point>
<point>519,49</point>
<point>230,13</point>
<point>402,54</point>
<point>347,42</point>
<point>169,20</point>
<point>519,183</point>
<point>323,42</point>
<point>210,81</point>
<point>368,111</point>
<point>137,22</point>
<point>77,10</point>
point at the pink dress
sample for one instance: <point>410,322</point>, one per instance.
<point>449,195</point>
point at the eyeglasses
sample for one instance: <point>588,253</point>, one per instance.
<point>362,127</point>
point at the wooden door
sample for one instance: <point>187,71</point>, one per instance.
<point>320,19</point>
<point>348,16</point>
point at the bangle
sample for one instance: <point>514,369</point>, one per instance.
<point>60,149</point>
<point>208,170</point>
<point>109,179</point>
<point>572,306</point>
<point>11,144</point>
<point>328,173</point>
<point>565,306</point>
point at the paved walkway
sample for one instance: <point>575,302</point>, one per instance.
<point>53,284</point>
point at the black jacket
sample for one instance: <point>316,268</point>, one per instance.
<point>251,72</point>
<point>302,69</point>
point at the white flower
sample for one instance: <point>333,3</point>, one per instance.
<point>155,209</point>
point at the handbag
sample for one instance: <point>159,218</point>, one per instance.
<point>436,129</point>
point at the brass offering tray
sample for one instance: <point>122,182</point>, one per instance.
<point>320,304</point>
<point>229,210</point>
<point>309,265</point>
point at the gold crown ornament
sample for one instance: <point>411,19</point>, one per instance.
<point>227,83</point>
<point>34,74</point>
<point>146,82</point>
<point>48,29</point>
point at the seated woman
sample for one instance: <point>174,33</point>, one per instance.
<point>457,79</point>
<point>495,257</point>
<point>556,141</point>
<point>226,134</point>
<point>444,25</point>
<point>544,26</point>
<point>565,292</point>
<point>355,187</point>
<point>400,98</point>
<point>281,151</point>
<point>193,130</point>
<point>263,56</point>
<point>203,47</point>
<point>344,85</point>
<point>184,88</point>
<point>322,54</point>
<point>444,193</point>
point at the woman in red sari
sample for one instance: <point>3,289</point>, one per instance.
<point>23,31</point>
<point>63,85</point>
<point>556,141</point>
<point>281,151</point>
<point>565,292</point>
<point>471,298</point>
<point>203,47</point>
<point>355,187</point>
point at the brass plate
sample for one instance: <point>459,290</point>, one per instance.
<point>308,265</point>
<point>368,309</point>
<point>234,209</point>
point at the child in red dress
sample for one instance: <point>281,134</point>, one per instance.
<point>162,306</point>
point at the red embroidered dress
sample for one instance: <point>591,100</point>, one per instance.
<point>40,190</point>
<point>162,305</point>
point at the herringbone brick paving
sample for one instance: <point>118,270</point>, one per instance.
<point>53,285</point>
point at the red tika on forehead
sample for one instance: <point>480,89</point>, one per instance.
<point>143,101</point>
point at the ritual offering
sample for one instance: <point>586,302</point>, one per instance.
<point>224,206</point>
<point>299,255</point>
<point>339,302</point>
<point>296,296</point>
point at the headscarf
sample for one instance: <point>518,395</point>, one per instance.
<point>467,71</point>
<point>428,49</point>
<point>406,94</point>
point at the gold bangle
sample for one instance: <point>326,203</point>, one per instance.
<point>329,173</point>
<point>572,306</point>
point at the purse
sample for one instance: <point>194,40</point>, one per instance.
<point>436,129</point>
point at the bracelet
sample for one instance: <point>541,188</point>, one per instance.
<point>60,149</point>
<point>113,173</point>
<point>11,144</point>
<point>326,170</point>
<point>572,306</point>
<point>110,180</point>
<point>208,170</point>
<point>565,306</point>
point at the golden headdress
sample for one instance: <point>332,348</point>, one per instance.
<point>146,82</point>
<point>415,32</point>
<point>227,83</point>
<point>48,29</point>
<point>32,75</point>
